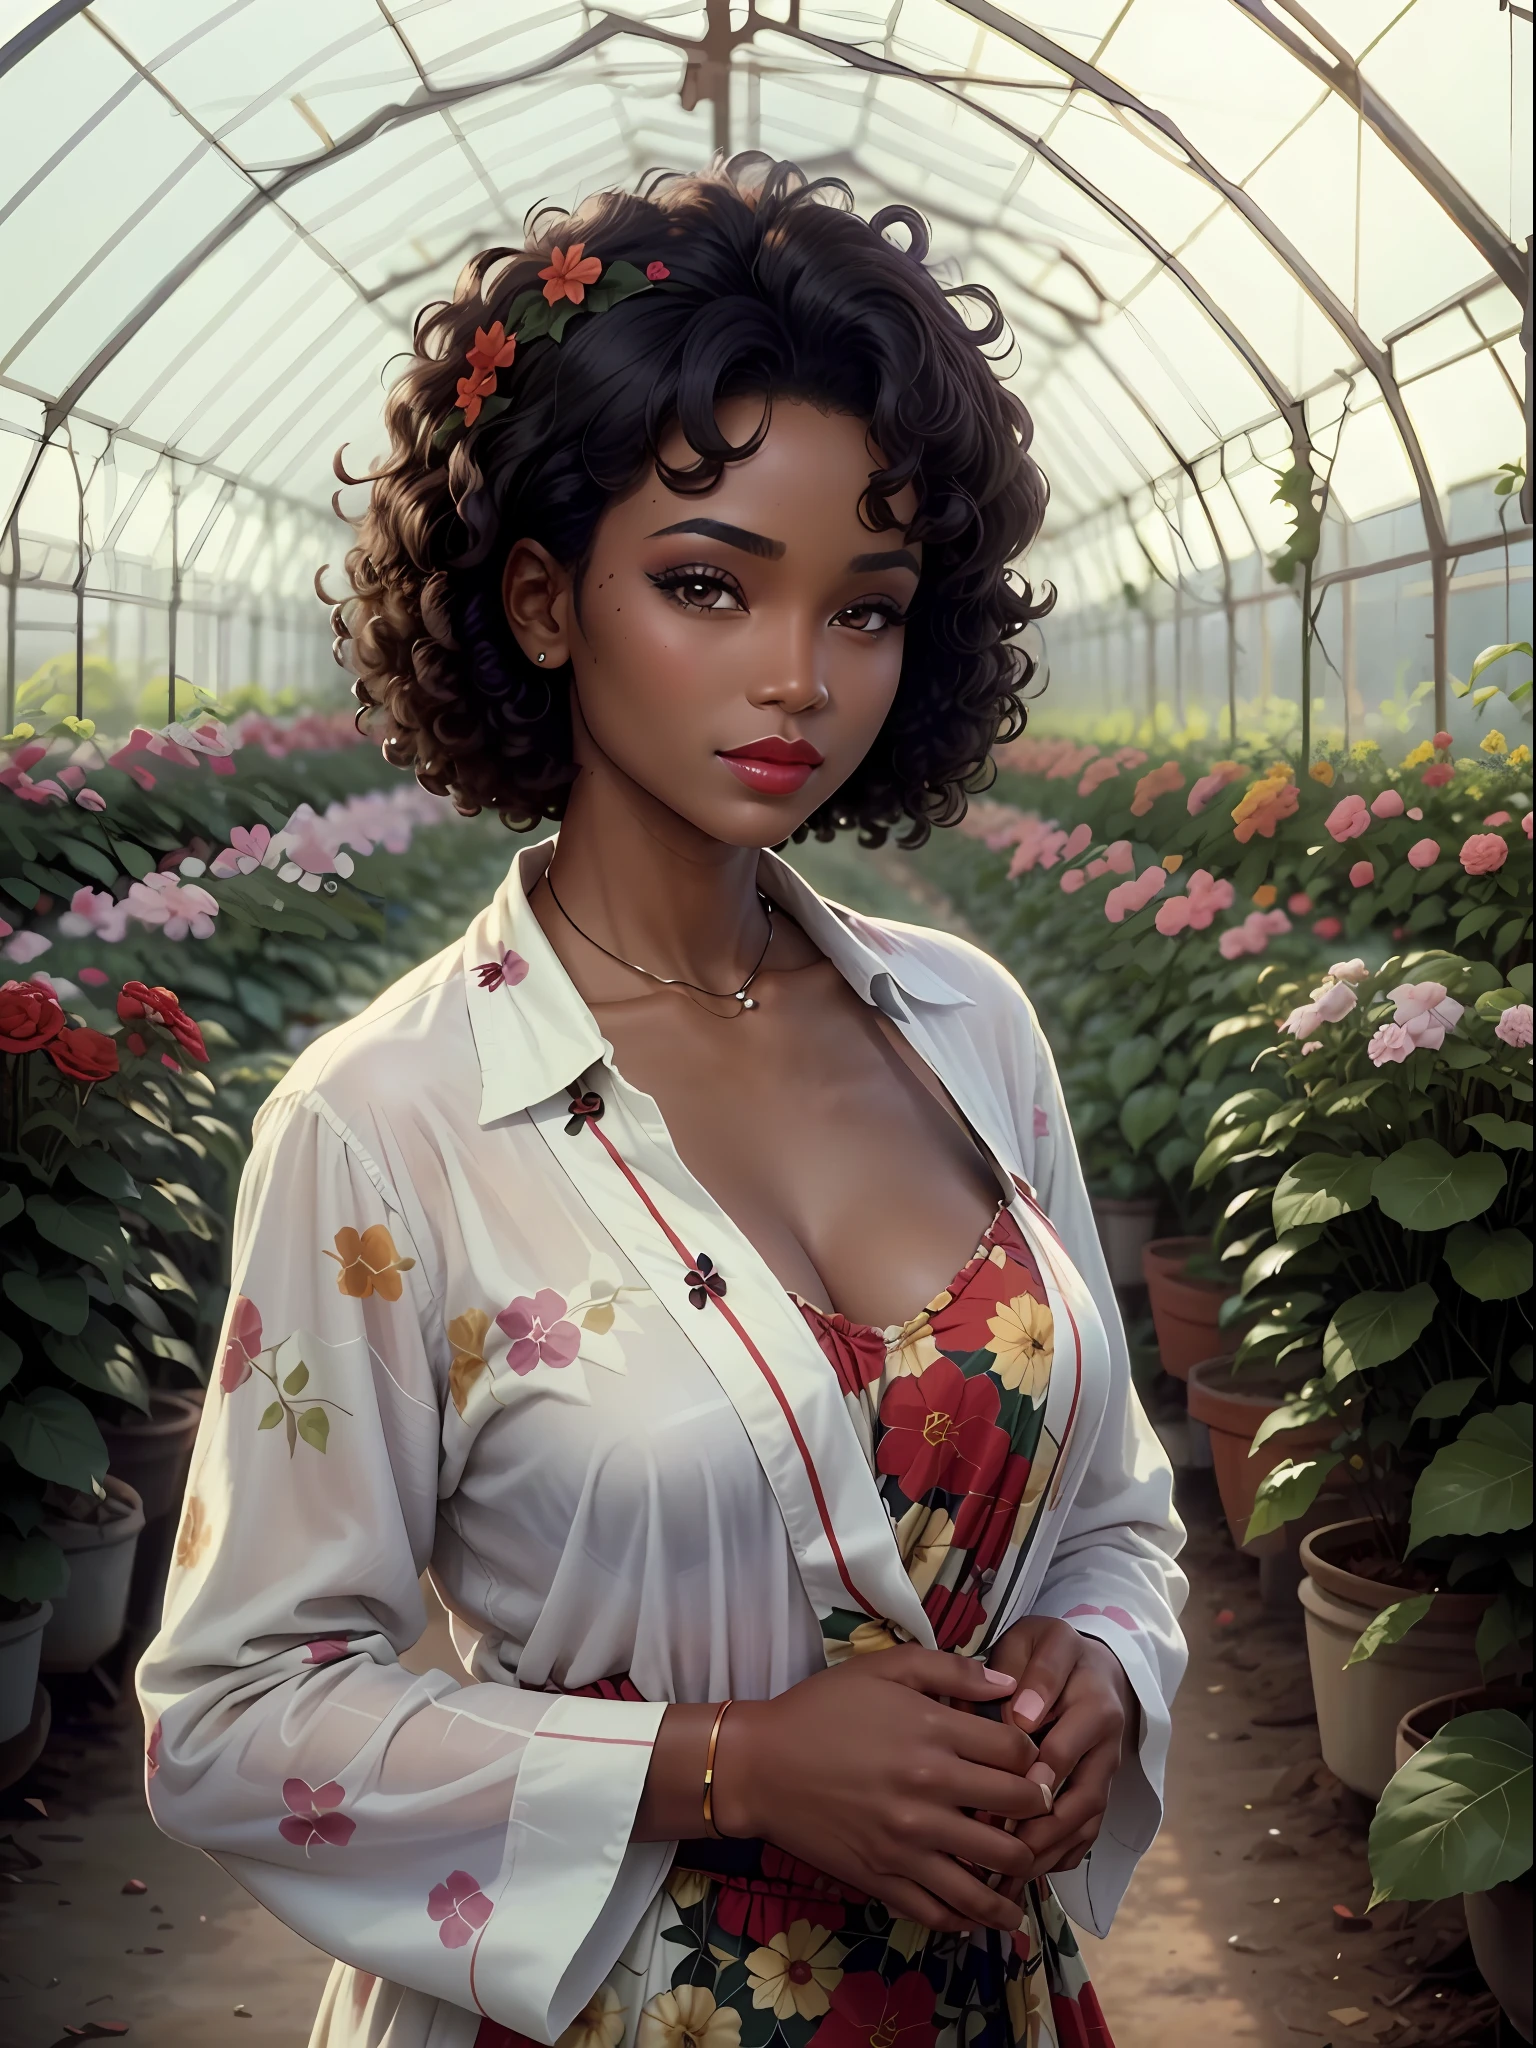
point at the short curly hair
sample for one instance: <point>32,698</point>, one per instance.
<point>775,286</point>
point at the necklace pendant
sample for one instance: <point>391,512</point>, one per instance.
<point>747,1002</point>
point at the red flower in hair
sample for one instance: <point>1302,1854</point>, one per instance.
<point>569,273</point>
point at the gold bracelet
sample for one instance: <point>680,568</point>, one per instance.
<point>709,1773</point>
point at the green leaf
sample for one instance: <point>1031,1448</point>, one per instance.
<point>1445,1399</point>
<point>1506,1624</point>
<point>1498,1130</point>
<point>1456,1817</point>
<point>32,1567</point>
<point>315,1427</point>
<point>11,1202</point>
<point>85,1229</point>
<point>107,1366</point>
<point>271,1415</point>
<point>1479,1485</point>
<point>297,1380</point>
<point>1288,1491</point>
<point>1130,1063</point>
<point>103,1175</point>
<point>1296,1414</point>
<point>55,1436</point>
<point>1423,1188</point>
<point>1146,1111</point>
<point>1493,1265</point>
<point>10,1359</point>
<point>1390,1626</point>
<point>1225,1146</point>
<point>1273,1260</point>
<point>1370,1329</point>
<point>1322,1186</point>
<point>1490,655</point>
<point>59,1299</point>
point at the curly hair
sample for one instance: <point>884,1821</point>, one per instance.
<point>775,286</point>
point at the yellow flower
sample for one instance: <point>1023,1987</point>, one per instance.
<point>1362,750</point>
<point>1029,2009</point>
<point>1322,771</point>
<point>1518,756</point>
<point>923,1537</point>
<point>1172,862</point>
<point>1424,751</point>
<point>1494,742</point>
<point>909,1347</point>
<point>466,1333</point>
<point>1265,894</point>
<point>791,1976</point>
<point>192,1537</point>
<point>870,1636</point>
<point>600,2023</point>
<point>687,1887</point>
<point>1023,1345</point>
<point>369,1263</point>
<point>688,2018</point>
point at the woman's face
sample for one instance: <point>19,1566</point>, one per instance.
<point>736,651</point>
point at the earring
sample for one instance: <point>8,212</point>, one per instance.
<point>541,657</point>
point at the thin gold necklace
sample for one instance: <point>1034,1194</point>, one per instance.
<point>734,995</point>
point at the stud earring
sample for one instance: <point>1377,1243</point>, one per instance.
<point>541,657</point>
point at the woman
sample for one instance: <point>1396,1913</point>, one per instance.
<point>821,1640</point>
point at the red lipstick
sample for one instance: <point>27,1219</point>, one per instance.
<point>773,766</point>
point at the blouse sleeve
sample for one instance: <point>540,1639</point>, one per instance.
<point>1114,1573</point>
<point>471,1842</point>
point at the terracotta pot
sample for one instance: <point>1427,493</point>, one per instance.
<point>1184,1311</point>
<point>1498,1921</point>
<point>88,1617</point>
<point>21,1644</point>
<point>1232,1405</point>
<point>151,1452</point>
<point>1125,1229</point>
<point>1358,1709</point>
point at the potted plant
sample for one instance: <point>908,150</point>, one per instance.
<point>96,1110</point>
<point>1391,1162</point>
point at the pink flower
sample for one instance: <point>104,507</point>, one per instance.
<point>1172,916</point>
<point>1390,1044</point>
<point>1128,897</point>
<point>1254,933</point>
<point>1042,1122</point>
<point>1312,1045</point>
<point>1514,1025</point>
<point>539,1332</point>
<point>1423,853</point>
<point>1497,818</point>
<point>242,1344</point>
<point>1072,881</point>
<point>1442,740</point>
<point>244,854</point>
<point>1096,773</point>
<point>1348,818</point>
<point>1349,970</point>
<point>1437,775</point>
<point>1387,805</point>
<point>1079,839</point>
<point>26,946</point>
<point>180,909</point>
<point>1121,857</point>
<point>1362,874</point>
<point>656,272</point>
<point>1159,782</point>
<point>460,1905</point>
<point>1211,785</point>
<point>1425,1011</point>
<point>1525,824</point>
<point>93,977</point>
<point>1198,908</point>
<point>1327,928</point>
<point>1299,904</point>
<point>309,848</point>
<point>90,800</point>
<point>1415,813</point>
<point>506,972</point>
<point>1097,867</point>
<point>1303,1020</point>
<point>1334,1000</point>
<point>92,911</point>
<point>1484,853</point>
<point>312,1815</point>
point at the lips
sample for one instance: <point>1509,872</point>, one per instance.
<point>773,766</point>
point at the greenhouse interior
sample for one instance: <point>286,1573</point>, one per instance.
<point>1261,861</point>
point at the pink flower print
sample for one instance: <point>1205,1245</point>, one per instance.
<point>326,1649</point>
<point>539,1332</point>
<point>1389,804</point>
<point>506,972</point>
<point>1484,853</point>
<point>1348,818</point>
<point>1423,853</point>
<point>1128,897</point>
<point>312,1815</point>
<point>1362,874</point>
<point>1514,1025</point>
<point>1114,1614</point>
<point>1121,857</point>
<point>1043,1122</point>
<point>241,1345</point>
<point>460,1905</point>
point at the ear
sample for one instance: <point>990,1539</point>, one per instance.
<point>536,595</point>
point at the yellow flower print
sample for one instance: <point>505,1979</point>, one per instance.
<point>600,2023</point>
<point>923,1536</point>
<point>870,1636</point>
<point>688,2018</point>
<point>466,1333</point>
<point>687,1887</point>
<point>1422,753</point>
<point>1023,1345</point>
<point>192,1537</point>
<point>909,1347</point>
<point>791,1976</point>
<point>369,1263</point>
<point>1029,2010</point>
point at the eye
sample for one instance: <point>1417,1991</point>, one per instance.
<point>872,615</point>
<point>700,587</point>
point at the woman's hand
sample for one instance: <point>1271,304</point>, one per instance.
<point>1077,1690</point>
<point>864,1772</point>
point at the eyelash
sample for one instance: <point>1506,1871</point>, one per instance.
<point>672,582</point>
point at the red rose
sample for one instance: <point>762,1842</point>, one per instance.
<point>161,1006</point>
<point>869,2013</point>
<point>84,1055</point>
<point>940,1429</point>
<point>29,1016</point>
<point>855,1352</point>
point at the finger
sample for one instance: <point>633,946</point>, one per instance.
<point>999,1745</point>
<point>987,1848</point>
<point>1052,1660</point>
<point>940,1673</point>
<point>1008,1794</point>
<point>976,1903</point>
<point>1082,1803</point>
<point>1073,1850</point>
<point>1096,1721</point>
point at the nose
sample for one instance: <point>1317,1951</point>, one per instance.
<point>791,677</point>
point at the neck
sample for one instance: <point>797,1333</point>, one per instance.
<point>644,883</point>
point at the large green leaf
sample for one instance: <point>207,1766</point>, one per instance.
<point>1287,1492</point>
<point>1322,1186</point>
<point>87,1230</point>
<point>100,1359</point>
<point>1422,1187</point>
<point>1480,1484</point>
<point>57,1299</point>
<point>1295,1414</point>
<point>1146,1111</point>
<point>103,1175</point>
<point>1130,1063</point>
<point>32,1567</point>
<point>12,1202</point>
<point>55,1436</point>
<point>1494,1265</point>
<point>1445,1399</point>
<point>1456,1817</point>
<point>1265,1265</point>
<point>1390,1626</point>
<point>1498,1130</point>
<point>1370,1329</point>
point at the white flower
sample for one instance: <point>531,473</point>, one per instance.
<point>1303,1021</point>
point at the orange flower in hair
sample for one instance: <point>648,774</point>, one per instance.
<point>569,273</point>
<point>471,391</point>
<point>493,348</point>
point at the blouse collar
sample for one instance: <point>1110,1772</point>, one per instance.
<point>534,1034</point>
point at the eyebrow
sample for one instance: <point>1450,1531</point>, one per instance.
<point>734,536</point>
<point>891,558</point>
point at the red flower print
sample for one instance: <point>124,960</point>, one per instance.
<point>940,1429</point>
<point>656,272</point>
<point>506,972</point>
<point>1042,1122</point>
<point>788,1890</point>
<point>326,1649</point>
<point>1080,2021</point>
<point>869,2013</point>
<point>956,1615</point>
<point>539,1333</point>
<point>855,1352</point>
<point>460,1905</point>
<point>966,1324</point>
<point>569,273</point>
<point>312,1815</point>
<point>985,1520</point>
<point>241,1345</point>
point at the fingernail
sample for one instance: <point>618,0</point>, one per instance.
<point>1029,1706</point>
<point>1042,1774</point>
<point>1002,1681</point>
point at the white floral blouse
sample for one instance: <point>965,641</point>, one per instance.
<point>486,1323</point>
